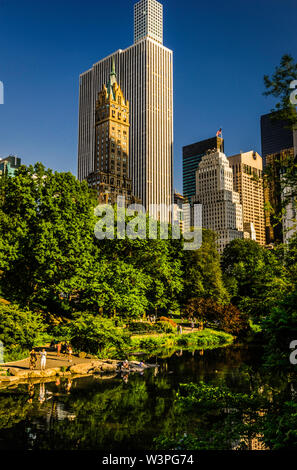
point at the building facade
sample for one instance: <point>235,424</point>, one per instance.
<point>148,20</point>
<point>178,210</point>
<point>275,136</point>
<point>110,176</point>
<point>221,208</point>
<point>9,165</point>
<point>144,72</point>
<point>248,182</point>
<point>192,156</point>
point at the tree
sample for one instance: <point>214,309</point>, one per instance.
<point>19,329</point>
<point>280,328</point>
<point>278,86</point>
<point>46,237</point>
<point>224,317</point>
<point>202,271</point>
<point>257,276</point>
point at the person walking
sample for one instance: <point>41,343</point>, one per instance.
<point>33,359</point>
<point>59,345</point>
<point>43,359</point>
<point>69,351</point>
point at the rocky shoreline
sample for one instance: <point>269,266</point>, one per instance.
<point>108,368</point>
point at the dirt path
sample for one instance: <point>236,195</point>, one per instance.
<point>52,360</point>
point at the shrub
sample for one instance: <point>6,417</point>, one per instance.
<point>165,327</point>
<point>141,327</point>
<point>169,320</point>
<point>19,330</point>
<point>97,335</point>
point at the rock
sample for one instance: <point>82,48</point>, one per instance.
<point>43,373</point>
<point>80,368</point>
<point>108,367</point>
<point>18,372</point>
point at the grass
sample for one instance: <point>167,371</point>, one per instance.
<point>203,339</point>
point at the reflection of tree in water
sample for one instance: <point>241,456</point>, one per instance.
<point>93,414</point>
<point>120,414</point>
<point>214,417</point>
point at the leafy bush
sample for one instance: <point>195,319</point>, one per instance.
<point>165,327</point>
<point>141,327</point>
<point>165,319</point>
<point>97,335</point>
<point>19,330</point>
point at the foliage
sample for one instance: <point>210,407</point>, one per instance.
<point>168,320</point>
<point>51,260</point>
<point>221,419</point>
<point>20,329</point>
<point>199,339</point>
<point>46,239</point>
<point>257,276</point>
<point>280,328</point>
<point>202,271</point>
<point>279,87</point>
<point>204,339</point>
<point>225,317</point>
<point>97,335</point>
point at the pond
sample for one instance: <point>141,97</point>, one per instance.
<point>123,412</point>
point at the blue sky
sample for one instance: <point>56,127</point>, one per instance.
<point>221,51</point>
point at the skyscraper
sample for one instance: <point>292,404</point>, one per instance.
<point>144,73</point>
<point>248,182</point>
<point>110,175</point>
<point>221,208</point>
<point>192,156</point>
<point>275,136</point>
<point>148,20</point>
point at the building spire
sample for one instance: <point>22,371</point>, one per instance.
<point>112,78</point>
<point>112,75</point>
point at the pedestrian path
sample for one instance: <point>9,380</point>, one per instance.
<point>52,360</point>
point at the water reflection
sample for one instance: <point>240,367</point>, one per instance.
<point>130,410</point>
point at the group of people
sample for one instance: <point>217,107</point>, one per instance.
<point>151,318</point>
<point>62,348</point>
<point>34,357</point>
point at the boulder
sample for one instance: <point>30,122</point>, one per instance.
<point>108,367</point>
<point>18,372</point>
<point>80,368</point>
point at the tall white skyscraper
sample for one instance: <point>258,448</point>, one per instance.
<point>221,208</point>
<point>144,72</point>
<point>148,20</point>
